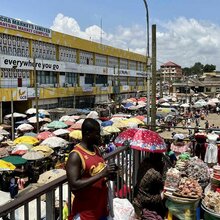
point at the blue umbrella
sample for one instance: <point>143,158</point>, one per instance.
<point>22,122</point>
<point>128,104</point>
<point>106,123</point>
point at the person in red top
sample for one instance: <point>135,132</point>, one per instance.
<point>87,173</point>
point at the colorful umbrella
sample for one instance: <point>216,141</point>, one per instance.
<point>6,166</point>
<point>15,160</point>
<point>142,139</point>
<point>33,119</point>
<point>106,123</point>
<point>135,120</point>
<point>93,114</point>
<point>50,175</point>
<point>44,135</point>
<point>76,126</point>
<point>69,123</point>
<point>31,134</point>
<point>57,125</point>
<point>61,131</point>
<point>33,155</point>
<point>111,129</point>
<point>20,149</point>
<point>140,117</point>
<point>16,115</point>
<point>121,124</point>
<point>26,139</point>
<point>55,142</point>
<point>76,134</point>
<point>25,127</point>
<point>47,120</point>
<point>47,151</point>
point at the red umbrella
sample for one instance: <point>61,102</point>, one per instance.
<point>69,123</point>
<point>142,139</point>
<point>76,126</point>
<point>140,117</point>
<point>44,135</point>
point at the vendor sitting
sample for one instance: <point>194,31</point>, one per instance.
<point>179,145</point>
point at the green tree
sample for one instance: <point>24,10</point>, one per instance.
<point>197,69</point>
<point>209,68</point>
<point>186,71</point>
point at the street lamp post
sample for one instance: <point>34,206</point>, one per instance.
<point>147,63</point>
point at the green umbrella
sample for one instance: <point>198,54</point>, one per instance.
<point>16,160</point>
<point>57,125</point>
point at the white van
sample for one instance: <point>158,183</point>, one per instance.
<point>167,111</point>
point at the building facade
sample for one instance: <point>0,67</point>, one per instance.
<point>171,71</point>
<point>68,71</point>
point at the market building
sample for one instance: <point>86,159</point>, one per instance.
<point>70,72</point>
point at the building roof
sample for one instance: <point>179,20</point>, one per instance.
<point>170,64</point>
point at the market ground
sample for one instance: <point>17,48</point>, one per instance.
<point>212,118</point>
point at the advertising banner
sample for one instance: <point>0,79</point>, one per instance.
<point>21,93</point>
<point>15,24</point>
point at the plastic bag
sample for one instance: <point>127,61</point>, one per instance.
<point>183,211</point>
<point>123,209</point>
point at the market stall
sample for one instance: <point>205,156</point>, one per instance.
<point>184,187</point>
<point>211,201</point>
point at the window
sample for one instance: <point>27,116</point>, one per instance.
<point>101,79</point>
<point>89,79</point>
<point>71,78</point>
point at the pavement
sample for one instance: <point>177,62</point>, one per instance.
<point>212,118</point>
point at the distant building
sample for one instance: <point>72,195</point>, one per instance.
<point>70,72</point>
<point>207,85</point>
<point>171,71</point>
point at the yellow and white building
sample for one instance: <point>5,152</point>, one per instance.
<point>71,72</point>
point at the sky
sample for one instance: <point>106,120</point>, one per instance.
<point>188,31</point>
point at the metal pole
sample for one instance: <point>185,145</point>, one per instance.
<point>12,108</point>
<point>147,63</point>
<point>154,77</point>
<point>36,94</point>
<point>12,117</point>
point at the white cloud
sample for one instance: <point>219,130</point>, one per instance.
<point>184,41</point>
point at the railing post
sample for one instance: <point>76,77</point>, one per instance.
<point>50,205</point>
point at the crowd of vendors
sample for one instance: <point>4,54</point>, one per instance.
<point>189,189</point>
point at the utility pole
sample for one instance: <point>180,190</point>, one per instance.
<point>36,94</point>
<point>12,107</point>
<point>154,77</point>
<point>161,86</point>
<point>148,62</point>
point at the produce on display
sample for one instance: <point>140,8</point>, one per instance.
<point>189,187</point>
<point>172,179</point>
<point>198,170</point>
<point>212,201</point>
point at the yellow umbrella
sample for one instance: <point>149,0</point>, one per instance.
<point>47,151</point>
<point>135,120</point>
<point>111,129</point>
<point>6,166</point>
<point>76,134</point>
<point>104,133</point>
<point>26,139</point>
<point>120,124</point>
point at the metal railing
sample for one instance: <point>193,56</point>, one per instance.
<point>128,161</point>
